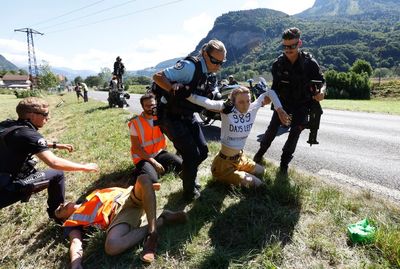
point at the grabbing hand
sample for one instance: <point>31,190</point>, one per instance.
<point>68,147</point>
<point>284,117</point>
<point>319,96</point>
<point>266,101</point>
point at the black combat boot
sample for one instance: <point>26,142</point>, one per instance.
<point>258,157</point>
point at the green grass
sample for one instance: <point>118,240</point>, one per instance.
<point>295,222</point>
<point>138,89</point>
<point>389,106</point>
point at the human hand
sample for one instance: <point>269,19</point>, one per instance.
<point>68,147</point>
<point>284,117</point>
<point>266,101</point>
<point>319,96</point>
<point>175,87</point>
<point>91,167</point>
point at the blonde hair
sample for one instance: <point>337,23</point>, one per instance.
<point>237,91</point>
<point>29,105</point>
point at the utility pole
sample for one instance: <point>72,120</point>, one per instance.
<point>33,77</point>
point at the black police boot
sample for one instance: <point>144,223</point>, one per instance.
<point>283,169</point>
<point>258,157</point>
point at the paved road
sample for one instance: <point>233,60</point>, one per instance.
<point>358,148</point>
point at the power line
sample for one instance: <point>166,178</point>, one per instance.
<point>89,15</point>
<point>118,17</point>
<point>70,12</point>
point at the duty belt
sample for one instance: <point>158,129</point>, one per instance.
<point>230,158</point>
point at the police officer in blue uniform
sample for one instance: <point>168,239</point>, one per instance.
<point>292,74</point>
<point>19,141</point>
<point>175,113</point>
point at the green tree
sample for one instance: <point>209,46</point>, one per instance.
<point>78,79</point>
<point>22,71</point>
<point>361,66</point>
<point>47,79</point>
<point>105,74</point>
<point>94,81</point>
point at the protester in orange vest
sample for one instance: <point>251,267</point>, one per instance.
<point>119,212</point>
<point>148,146</point>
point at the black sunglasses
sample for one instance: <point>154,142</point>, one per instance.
<point>292,47</point>
<point>44,114</point>
<point>215,61</point>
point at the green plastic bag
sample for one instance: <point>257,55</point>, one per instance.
<point>361,232</point>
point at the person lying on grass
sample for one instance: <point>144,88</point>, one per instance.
<point>119,212</point>
<point>231,166</point>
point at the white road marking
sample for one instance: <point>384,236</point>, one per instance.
<point>342,178</point>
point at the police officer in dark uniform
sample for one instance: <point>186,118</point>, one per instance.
<point>175,113</point>
<point>19,141</point>
<point>119,70</point>
<point>292,74</point>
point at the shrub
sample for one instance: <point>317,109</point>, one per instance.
<point>27,93</point>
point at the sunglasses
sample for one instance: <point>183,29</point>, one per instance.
<point>292,47</point>
<point>44,114</point>
<point>215,61</point>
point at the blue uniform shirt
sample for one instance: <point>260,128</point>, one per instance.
<point>183,71</point>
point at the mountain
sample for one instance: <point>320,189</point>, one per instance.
<point>7,65</point>
<point>148,72</point>
<point>336,32</point>
<point>70,74</point>
<point>353,9</point>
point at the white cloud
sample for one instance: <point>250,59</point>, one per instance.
<point>250,4</point>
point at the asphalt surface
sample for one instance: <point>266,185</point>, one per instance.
<point>356,148</point>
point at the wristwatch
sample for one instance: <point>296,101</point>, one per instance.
<point>54,144</point>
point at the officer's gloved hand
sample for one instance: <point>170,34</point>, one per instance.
<point>183,92</point>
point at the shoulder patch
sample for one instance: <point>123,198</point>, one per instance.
<point>42,142</point>
<point>179,65</point>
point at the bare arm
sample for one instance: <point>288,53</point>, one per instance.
<point>58,163</point>
<point>75,249</point>
<point>68,147</point>
<point>161,80</point>
<point>137,148</point>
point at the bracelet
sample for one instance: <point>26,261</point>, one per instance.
<point>54,145</point>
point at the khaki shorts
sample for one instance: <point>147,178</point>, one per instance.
<point>232,171</point>
<point>128,210</point>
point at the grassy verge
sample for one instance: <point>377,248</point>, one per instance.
<point>138,89</point>
<point>389,106</point>
<point>296,222</point>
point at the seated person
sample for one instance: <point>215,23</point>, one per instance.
<point>148,144</point>
<point>230,166</point>
<point>118,211</point>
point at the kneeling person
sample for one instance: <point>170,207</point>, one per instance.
<point>119,212</point>
<point>148,144</point>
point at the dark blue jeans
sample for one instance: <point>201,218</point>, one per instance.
<point>299,120</point>
<point>55,190</point>
<point>188,139</point>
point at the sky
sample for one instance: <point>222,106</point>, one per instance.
<point>90,34</point>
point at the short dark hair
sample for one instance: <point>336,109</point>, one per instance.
<point>291,33</point>
<point>146,96</point>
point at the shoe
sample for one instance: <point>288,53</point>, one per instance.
<point>283,170</point>
<point>149,248</point>
<point>170,217</point>
<point>258,157</point>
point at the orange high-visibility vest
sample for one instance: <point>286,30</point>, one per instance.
<point>96,211</point>
<point>151,138</point>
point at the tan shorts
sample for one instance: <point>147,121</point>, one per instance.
<point>232,171</point>
<point>128,210</point>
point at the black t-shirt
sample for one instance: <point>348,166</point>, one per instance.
<point>21,144</point>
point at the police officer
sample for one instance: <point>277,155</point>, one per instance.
<point>119,70</point>
<point>176,118</point>
<point>19,141</point>
<point>292,73</point>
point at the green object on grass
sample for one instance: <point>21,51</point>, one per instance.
<point>361,232</point>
